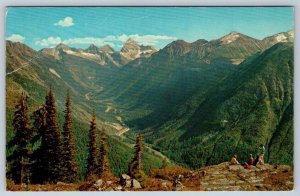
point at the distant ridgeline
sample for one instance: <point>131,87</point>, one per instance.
<point>197,103</point>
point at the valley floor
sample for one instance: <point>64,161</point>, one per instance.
<point>222,177</point>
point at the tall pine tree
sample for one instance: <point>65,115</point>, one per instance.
<point>70,167</point>
<point>92,161</point>
<point>105,171</point>
<point>135,166</point>
<point>51,145</point>
<point>19,168</point>
<point>39,126</point>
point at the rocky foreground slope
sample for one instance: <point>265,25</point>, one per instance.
<point>222,177</point>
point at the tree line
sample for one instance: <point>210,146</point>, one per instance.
<point>42,153</point>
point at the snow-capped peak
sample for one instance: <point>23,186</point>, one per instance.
<point>291,34</point>
<point>231,37</point>
<point>281,37</point>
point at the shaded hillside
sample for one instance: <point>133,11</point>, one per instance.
<point>147,88</point>
<point>251,106</point>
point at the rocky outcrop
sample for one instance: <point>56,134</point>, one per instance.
<point>226,177</point>
<point>132,50</point>
<point>222,177</point>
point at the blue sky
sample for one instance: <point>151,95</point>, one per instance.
<point>41,27</point>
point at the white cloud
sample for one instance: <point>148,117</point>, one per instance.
<point>66,22</point>
<point>49,41</point>
<point>146,39</point>
<point>110,39</point>
<point>141,39</point>
<point>16,38</point>
<point>88,40</point>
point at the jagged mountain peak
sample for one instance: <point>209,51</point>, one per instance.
<point>279,37</point>
<point>231,37</point>
<point>92,46</point>
<point>62,46</point>
<point>129,45</point>
<point>132,50</point>
<point>18,48</point>
<point>181,41</point>
<point>107,48</point>
<point>200,41</point>
<point>92,49</point>
<point>131,41</point>
<point>177,48</point>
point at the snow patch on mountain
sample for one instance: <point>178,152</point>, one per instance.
<point>54,72</point>
<point>281,38</point>
<point>230,37</point>
<point>69,52</point>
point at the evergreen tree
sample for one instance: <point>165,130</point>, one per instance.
<point>70,167</point>
<point>51,145</point>
<point>135,166</point>
<point>19,167</point>
<point>105,171</point>
<point>92,161</point>
<point>39,125</point>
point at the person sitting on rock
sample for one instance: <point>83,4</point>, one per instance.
<point>247,165</point>
<point>260,155</point>
<point>234,160</point>
<point>261,152</point>
<point>251,160</point>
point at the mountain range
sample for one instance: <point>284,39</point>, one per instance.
<point>198,103</point>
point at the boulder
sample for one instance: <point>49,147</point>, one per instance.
<point>127,183</point>
<point>136,184</point>
<point>60,183</point>
<point>125,177</point>
<point>164,185</point>
<point>99,183</point>
<point>125,180</point>
<point>109,189</point>
<point>202,173</point>
<point>178,186</point>
<point>118,188</point>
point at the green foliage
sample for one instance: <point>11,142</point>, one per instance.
<point>104,167</point>
<point>19,169</point>
<point>92,160</point>
<point>69,164</point>
<point>49,153</point>
<point>135,166</point>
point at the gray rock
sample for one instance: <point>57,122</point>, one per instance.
<point>125,177</point>
<point>164,185</point>
<point>180,177</point>
<point>127,183</point>
<point>136,184</point>
<point>118,188</point>
<point>109,189</point>
<point>109,182</point>
<point>202,173</point>
<point>99,183</point>
<point>59,183</point>
<point>178,186</point>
